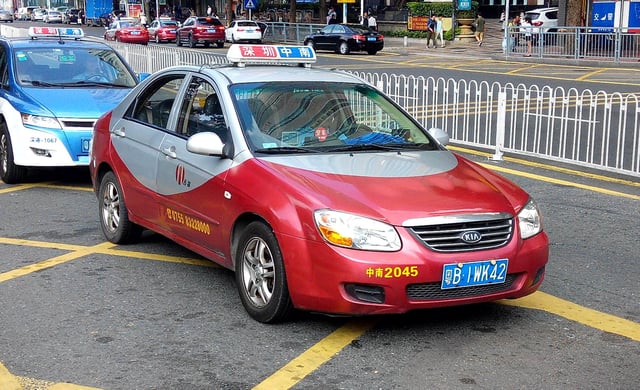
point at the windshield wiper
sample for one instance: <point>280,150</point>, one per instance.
<point>39,83</point>
<point>84,83</point>
<point>285,149</point>
<point>376,147</point>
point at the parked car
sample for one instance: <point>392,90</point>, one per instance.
<point>53,94</point>
<point>127,30</point>
<point>52,16</point>
<point>243,30</point>
<point>316,188</point>
<point>6,16</point>
<point>201,30</point>
<point>38,14</point>
<point>545,19</point>
<point>24,13</point>
<point>163,30</point>
<point>345,38</point>
<point>72,16</point>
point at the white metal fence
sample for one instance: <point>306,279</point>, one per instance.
<point>593,129</point>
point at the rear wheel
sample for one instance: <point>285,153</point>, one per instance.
<point>260,275</point>
<point>343,48</point>
<point>192,42</point>
<point>178,41</point>
<point>114,215</point>
<point>10,173</point>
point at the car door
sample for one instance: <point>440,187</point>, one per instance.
<point>324,40</point>
<point>153,29</point>
<point>192,185</point>
<point>137,138</point>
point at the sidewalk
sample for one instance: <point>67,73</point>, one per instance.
<point>491,49</point>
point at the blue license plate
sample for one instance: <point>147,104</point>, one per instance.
<point>135,32</point>
<point>478,273</point>
<point>85,144</point>
<point>371,38</point>
<point>211,30</point>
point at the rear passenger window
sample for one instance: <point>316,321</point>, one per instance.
<point>154,107</point>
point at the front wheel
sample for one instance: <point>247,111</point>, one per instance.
<point>114,215</point>
<point>192,42</point>
<point>10,173</point>
<point>157,38</point>
<point>260,275</point>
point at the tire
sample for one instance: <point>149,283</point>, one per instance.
<point>310,44</point>
<point>157,39</point>
<point>260,275</point>
<point>10,173</point>
<point>343,48</point>
<point>113,212</point>
<point>192,42</point>
<point>233,39</point>
<point>178,41</point>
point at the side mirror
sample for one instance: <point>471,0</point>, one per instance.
<point>440,135</point>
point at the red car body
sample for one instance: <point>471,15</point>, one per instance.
<point>163,30</point>
<point>201,30</point>
<point>127,32</point>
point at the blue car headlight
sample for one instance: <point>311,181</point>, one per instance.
<point>41,121</point>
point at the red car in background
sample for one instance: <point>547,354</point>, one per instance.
<point>127,31</point>
<point>201,29</point>
<point>163,30</point>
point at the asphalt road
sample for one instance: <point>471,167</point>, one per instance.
<point>155,316</point>
<point>78,311</point>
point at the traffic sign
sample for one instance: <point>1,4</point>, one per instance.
<point>250,4</point>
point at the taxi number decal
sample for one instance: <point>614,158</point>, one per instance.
<point>43,140</point>
<point>393,272</point>
<point>190,222</point>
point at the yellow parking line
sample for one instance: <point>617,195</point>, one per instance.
<point>580,314</point>
<point>27,269</point>
<point>314,357</point>
<point>17,188</point>
<point>8,381</point>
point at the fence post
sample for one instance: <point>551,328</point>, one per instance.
<point>501,124</point>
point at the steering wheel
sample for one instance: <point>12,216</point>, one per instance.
<point>97,78</point>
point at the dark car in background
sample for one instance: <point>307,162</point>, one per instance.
<point>201,30</point>
<point>72,16</point>
<point>345,38</point>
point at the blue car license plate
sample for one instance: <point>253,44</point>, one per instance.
<point>211,30</point>
<point>478,273</point>
<point>135,32</point>
<point>371,38</point>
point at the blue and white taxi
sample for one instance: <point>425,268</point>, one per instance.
<point>318,190</point>
<point>55,86</point>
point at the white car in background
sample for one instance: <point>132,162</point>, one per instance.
<point>243,30</point>
<point>52,16</point>
<point>545,19</point>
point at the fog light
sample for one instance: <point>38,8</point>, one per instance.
<point>41,152</point>
<point>365,293</point>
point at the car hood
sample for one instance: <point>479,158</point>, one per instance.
<point>396,187</point>
<point>74,102</point>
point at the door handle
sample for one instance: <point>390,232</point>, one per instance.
<point>170,152</point>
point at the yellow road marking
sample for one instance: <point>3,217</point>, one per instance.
<point>316,356</point>
<point>8,381</point>
<point>580,314</point>
<point>559,181</point>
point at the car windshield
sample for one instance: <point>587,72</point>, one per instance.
<point>47,67</point>
<point>324,117</point>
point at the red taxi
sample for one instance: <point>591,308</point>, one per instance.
<point>127,31</point>
<point>163,30</point>
<point>319,191</point>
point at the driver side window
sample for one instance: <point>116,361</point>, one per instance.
<point>154,107</point>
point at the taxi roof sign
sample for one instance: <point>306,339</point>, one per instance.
<point>241,55</point>
<point>56,32</point>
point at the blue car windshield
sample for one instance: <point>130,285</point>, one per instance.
<point>324,117</point>
<point>54,67</point>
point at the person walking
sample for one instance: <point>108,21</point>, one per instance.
<point>528,34</point>
<point>372,22</point>
<point>431,32</point>
<point>331,16</point>
<point>439,30</point>
<point>479,25</point>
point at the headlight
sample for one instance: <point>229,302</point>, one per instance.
<point>353,231</point>
<point>41,121</point>
<point>529,220</point>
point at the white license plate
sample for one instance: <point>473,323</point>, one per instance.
<point>478,273</point>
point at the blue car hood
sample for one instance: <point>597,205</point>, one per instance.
<point>75,102</point>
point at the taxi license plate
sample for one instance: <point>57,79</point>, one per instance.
<point>135,32</point>
<point>211,30</point>
<point>478,273</point>
<point>371,38</point>
<point>85,144</point>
